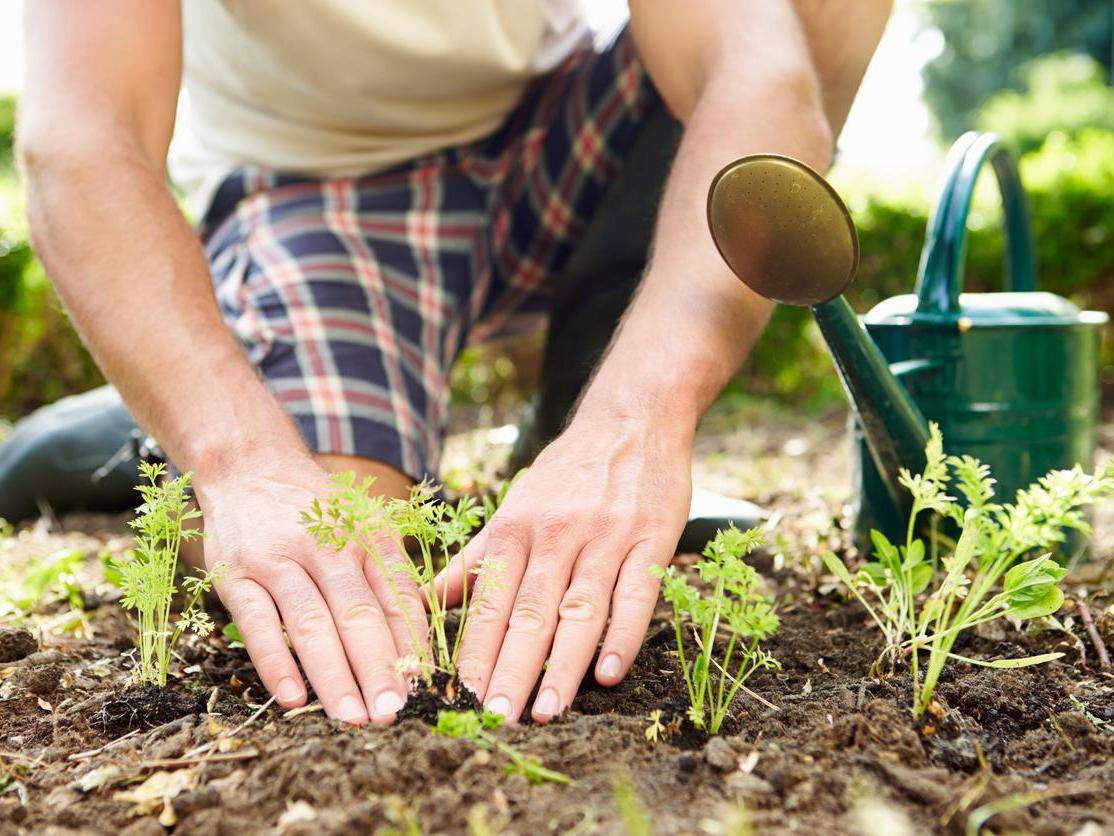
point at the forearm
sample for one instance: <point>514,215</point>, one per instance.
<point>136,283</point>
<point>693,322</point>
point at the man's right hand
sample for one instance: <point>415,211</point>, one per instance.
<point>345,625</point>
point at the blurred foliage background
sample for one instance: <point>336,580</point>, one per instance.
<point>1036,72</point>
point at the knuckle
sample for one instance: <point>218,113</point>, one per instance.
<point>529,615</point>
<point>360,613</point>
<point>507,534</point>
<point>310,620</point>
<point>578,605</point>
<point>607,522</point>
<point>642,592</point>
<point>551,530</point>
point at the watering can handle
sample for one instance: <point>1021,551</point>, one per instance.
<point>940,277</point>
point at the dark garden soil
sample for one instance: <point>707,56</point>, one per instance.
<point>831,750</point>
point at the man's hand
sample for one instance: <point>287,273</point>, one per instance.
<point>572,544</point>
<point>344,623</point>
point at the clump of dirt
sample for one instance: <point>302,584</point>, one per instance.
<point>145,707</point>
<point>16,644</point>
<point>445,694</point>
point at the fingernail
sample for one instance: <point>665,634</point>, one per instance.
<point>611,666</point>
<point>388,703</point>
<point>351,710</point>
<point>288,690</point>
<point>500,706</point>
<point>547,704</point>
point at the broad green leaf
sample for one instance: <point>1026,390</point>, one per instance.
<point>837,567</point>
<point>1051,599</point>
<point>914,555</point>
<point>921,577</point>
<point>876,574</point>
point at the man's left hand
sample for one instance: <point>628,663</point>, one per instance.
<point>571,546</point>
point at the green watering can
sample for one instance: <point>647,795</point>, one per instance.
<point>1011,377</point>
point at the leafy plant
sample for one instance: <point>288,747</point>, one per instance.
<point>51,577</point>
<point>734,605</point>
<point>354,515</point>
<point>920,607</point>
<point>468,725</point>
<point>148,577</point>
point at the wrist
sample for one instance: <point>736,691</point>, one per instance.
<point>219,463</point>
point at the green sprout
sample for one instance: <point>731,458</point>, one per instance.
<point>353,515</point>
<point>468,725</point>
<point>918,607</point>
<point>734,605</point>
<point>147,578</point>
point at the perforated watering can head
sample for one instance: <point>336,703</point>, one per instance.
<point>784,231</point>
<point>984,366</point>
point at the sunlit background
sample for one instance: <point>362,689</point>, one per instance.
<point>1036,72</point>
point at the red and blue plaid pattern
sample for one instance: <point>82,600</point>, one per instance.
<point>353,296</point>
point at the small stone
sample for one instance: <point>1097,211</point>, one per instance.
<point>200,799</point>
<point>719,755</point>
<point>16,643</point>
<point>747,784</point>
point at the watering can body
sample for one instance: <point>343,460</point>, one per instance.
<point>1010,377</point>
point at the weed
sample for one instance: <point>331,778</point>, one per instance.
<point>147,578</point>
<point>43,580</point>
<point>962,594</point>
<point>353,515</point>
<point>468,725</point>
<point>734,604</point>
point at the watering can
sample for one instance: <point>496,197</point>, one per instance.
<point>1011,377</point>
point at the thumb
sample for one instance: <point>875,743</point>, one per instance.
<point>450,582</point>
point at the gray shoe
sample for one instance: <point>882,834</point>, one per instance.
<point>80,453</point>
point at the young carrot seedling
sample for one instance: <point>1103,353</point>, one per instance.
<point>147,578</point>
<point>468,725</point>
<point>354,516</point>
<point>966,593</point>
<point>735,605</point>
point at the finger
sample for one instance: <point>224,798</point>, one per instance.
<point>254,613</point>
<point>450,582</point>
<point>362,625</point>
<point>532,622</point>
<point>490,607</point>
<point>581,619</point>
<point>314,636</point>
<point>632,607</point>
<point>402,602</point>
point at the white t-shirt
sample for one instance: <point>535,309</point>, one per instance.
<point>344,87</point>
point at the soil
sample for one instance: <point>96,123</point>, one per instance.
<point>837,752</point>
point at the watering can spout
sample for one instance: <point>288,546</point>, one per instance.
<point>785,232</point>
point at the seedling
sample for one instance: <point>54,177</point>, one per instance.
<point>734,605</point>
<point>468,725</point>
<point>963,593</point>
<point>353,515</point>
<point>147,578</point>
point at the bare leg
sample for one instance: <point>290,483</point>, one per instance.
<point>388,482</point>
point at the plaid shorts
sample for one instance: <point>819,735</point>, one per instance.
<point>353,296</point>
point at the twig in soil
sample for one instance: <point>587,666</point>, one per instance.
<point>187,760</point>
<point>1096,636</point>
<point>1059,730</point>
<point>197,750</point>
<point>112,744</point>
